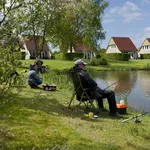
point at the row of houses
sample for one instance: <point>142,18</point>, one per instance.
<point>125,45</point>
<point>115,45</point>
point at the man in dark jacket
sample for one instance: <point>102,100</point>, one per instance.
<point>98,93</point>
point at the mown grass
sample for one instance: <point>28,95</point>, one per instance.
<point>40,120</point>
<point>112,65</point>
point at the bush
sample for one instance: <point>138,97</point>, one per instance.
<point>73,56</point>
<point>145,56</point>
<point>118,56</point>
<point>97,62</point>
<point>52,56</point>
<point>10,82</point>
<point>59,56</point>
<point>98,56</point>
<point>23,55</point>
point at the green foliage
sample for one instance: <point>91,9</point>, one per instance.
<point>80,22</point>
<point>59,56</point>
<point>60,78</point>
<point>23,55</point>
<point>100,61</point>
<point>101,53</point>
<point>73,56</point>
<point>9,63</point>
<point>145,56</point>
<point>117,56</point>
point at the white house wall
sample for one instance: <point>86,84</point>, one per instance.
<point>112,49</point>
<point>145,48</point>
<point>26,51</point>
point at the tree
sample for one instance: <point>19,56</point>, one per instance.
<point>80,22</point>
<point>41,16</point>
<point>9,47</point>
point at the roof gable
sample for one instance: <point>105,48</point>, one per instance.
<point>148,39</point>
<point>124,44</point>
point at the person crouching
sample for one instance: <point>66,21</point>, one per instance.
<point>33,79</point>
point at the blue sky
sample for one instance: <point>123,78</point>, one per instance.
<point>127,18</point>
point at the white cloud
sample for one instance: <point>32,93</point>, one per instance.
<point>147,30</point>
<point>129,11</point>
<point>146,1</point>
<point>139,38</point>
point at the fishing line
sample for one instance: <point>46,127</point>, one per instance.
<point>117,81</point>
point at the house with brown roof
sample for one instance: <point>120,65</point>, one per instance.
<point>122,45</point>
<point>33,48</point>
<point>145,47</point>
<point>82,48</point>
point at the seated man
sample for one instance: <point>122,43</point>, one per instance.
<point>99,94</point>
<point>33,79</point>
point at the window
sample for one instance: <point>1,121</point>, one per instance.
<point>112,46</point>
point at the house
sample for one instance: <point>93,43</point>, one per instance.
<point>34,49</point>
<point>81,48</point>
<point>122,45</point>
<point>145,47</point>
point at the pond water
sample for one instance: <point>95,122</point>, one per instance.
<point>132,85</point>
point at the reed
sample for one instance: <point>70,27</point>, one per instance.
<point>61,79</point>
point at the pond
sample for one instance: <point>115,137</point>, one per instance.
<point>131,85</point>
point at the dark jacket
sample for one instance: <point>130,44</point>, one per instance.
<point>86,80</point>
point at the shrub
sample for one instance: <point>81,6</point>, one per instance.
<point>145,56</point>
<point>59,56</point>
<point>72,56</point>
<point>23,55</point>
<point>97,62</point>
<point>9,80</point>
<point>117,56</point>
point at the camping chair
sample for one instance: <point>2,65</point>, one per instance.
<point>82,95</point>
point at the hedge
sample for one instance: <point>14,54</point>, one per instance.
<point>145,56</point>
<point>117,56</point>
<point>73,56</point>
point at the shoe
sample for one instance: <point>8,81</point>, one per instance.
<point>116,115</point>
<point>102,109</point>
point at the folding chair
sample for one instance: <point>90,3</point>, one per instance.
<point>82,95</point>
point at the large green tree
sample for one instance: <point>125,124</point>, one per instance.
<point>80,22</point>
<point>41,17</point>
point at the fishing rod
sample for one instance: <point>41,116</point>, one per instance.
<point>111,84</point>
<point>116,82</point>
<point>137,120</point>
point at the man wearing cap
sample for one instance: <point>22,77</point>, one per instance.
<point>98,93</point>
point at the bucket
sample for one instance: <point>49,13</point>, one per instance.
<point>121,108</point>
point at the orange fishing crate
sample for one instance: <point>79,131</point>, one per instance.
<point>121,108</point>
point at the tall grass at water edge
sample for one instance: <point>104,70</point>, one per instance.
<point>61,79</point>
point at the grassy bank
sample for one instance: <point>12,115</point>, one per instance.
<point>113,65</point>
<point>40,120</point>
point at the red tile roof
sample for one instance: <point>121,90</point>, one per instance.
<point>30,44</point>
<point>81,48</point>
<point>124,44</point>
<point>148,39</point>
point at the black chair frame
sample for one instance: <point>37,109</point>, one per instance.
<point>82,94</point>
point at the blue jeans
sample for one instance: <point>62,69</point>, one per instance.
<point>35,82</point>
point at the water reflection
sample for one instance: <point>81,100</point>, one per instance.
<point>134,85</point>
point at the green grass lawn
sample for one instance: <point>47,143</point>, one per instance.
<point>117,65</point>
<point>40,120</point>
